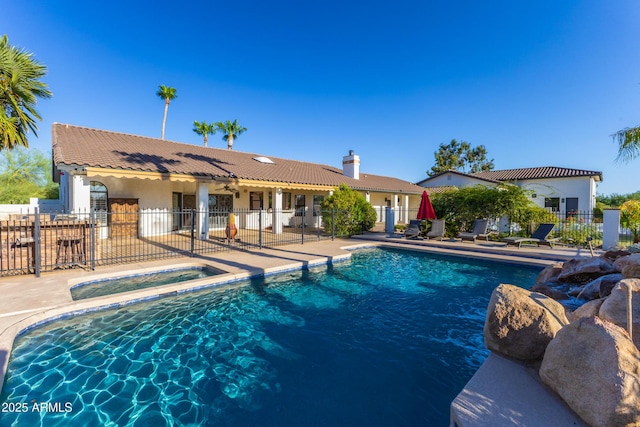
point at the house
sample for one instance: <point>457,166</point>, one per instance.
<point>555,188</point>
<point>115,172</point>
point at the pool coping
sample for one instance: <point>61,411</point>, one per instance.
<point>19,322</point>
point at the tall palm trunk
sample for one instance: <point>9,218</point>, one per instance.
<point>164,119</point>
<point>230,142</point>
<point>205,139</point>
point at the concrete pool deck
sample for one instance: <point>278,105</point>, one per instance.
<point>28,301</point>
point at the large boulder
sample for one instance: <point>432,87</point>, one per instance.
<point>629,266</point>
<point>588,309</point>
<point>547,290</point>
<point>614,309</point>
<point>614,254</point>
<point>593,366</point>
<point>521,323</point>
<point>549,274</point>
<point>584,270</point>
<point>601,287</point>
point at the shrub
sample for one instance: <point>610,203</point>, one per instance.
<point>461,207</point>
<point>630,217</point>
<point>351,212</point>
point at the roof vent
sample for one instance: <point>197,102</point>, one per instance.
<point>263,159</point>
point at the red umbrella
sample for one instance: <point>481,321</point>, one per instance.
<point>426,209</point>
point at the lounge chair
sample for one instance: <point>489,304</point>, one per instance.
<point>437,229</point>
<point>479,231</point>
<point>539,237</point>
<point>414,229</point>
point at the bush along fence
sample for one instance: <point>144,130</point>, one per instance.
<point>34,242</point>
<point>571,228</point>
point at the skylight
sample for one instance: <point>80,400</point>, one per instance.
<point>263,159</point>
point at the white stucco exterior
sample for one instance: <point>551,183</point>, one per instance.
<point>155,201</point>
<point>573,193</point>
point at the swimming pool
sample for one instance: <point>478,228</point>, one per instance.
<point>128,283</point>
<point>388,338</point>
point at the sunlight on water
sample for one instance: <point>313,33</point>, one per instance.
<point>387,339</point>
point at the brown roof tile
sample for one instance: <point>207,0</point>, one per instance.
<point>80,146</point>
<point>535,173</point>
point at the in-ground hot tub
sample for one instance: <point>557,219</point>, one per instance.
<point>133,282</point>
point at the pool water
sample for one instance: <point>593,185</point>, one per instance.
<point>116,285</point>
<point>388,338</point>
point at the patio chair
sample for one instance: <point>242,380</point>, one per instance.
<point>539,237</point>
<point>479,231</point>
<point>437,229</point>
<point>414,229</point>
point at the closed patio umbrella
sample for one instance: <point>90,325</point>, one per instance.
<point>426,209</point>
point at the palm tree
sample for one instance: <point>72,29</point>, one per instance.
<point>231,130</point>
<point>204,129</point>
<point>19,89</point>
<point>628,140</point>
<point>167,93</point>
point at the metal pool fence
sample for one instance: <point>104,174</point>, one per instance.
<point>575,228</point>
<point>33,242</point>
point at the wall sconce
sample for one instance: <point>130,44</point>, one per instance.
<point>386,200</point>
<point>534,195</point>
<point>237,194</point>
<point>561,200</point>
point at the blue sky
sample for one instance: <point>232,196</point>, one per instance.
<point>541,83</point>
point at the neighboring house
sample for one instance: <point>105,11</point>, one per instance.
<point>116,172</point>
<point>557,189</point>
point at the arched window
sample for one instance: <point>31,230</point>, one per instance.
<point>98,201</point>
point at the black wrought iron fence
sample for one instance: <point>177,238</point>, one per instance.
<point>578,228</point>
<point>35,242</point>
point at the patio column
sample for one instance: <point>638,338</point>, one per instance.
<point>79,197</point>
<point>406,209</point>
<point>276,213</point>
<point>395,208</point>
<point>203,211</point>
<point>611,229</point>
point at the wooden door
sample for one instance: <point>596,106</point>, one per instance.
<point>124,217</point>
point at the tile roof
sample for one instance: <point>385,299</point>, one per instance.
<point>535,173</point>
<point>440,189</point>
<point>86,147</point>
<point>455,172</point>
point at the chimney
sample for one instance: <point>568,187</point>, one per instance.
<point>351,165</point>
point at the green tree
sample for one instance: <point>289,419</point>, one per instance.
<point>168,94</point>
<point>630,217</point>
<point>24,174</point>
<point>461,207</point>
<point>628,140</point>
<point>231,131</point>
<point>460,156</point>
<point>20,87</point>
<point>204,129</point>
<point>351,212</point>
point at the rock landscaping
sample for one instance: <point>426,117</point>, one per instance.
<point>585,355</point>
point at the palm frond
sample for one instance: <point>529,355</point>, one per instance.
<point>628,141</point>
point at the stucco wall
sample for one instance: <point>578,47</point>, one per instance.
<point>581,187</point>
<point>453,179</point>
